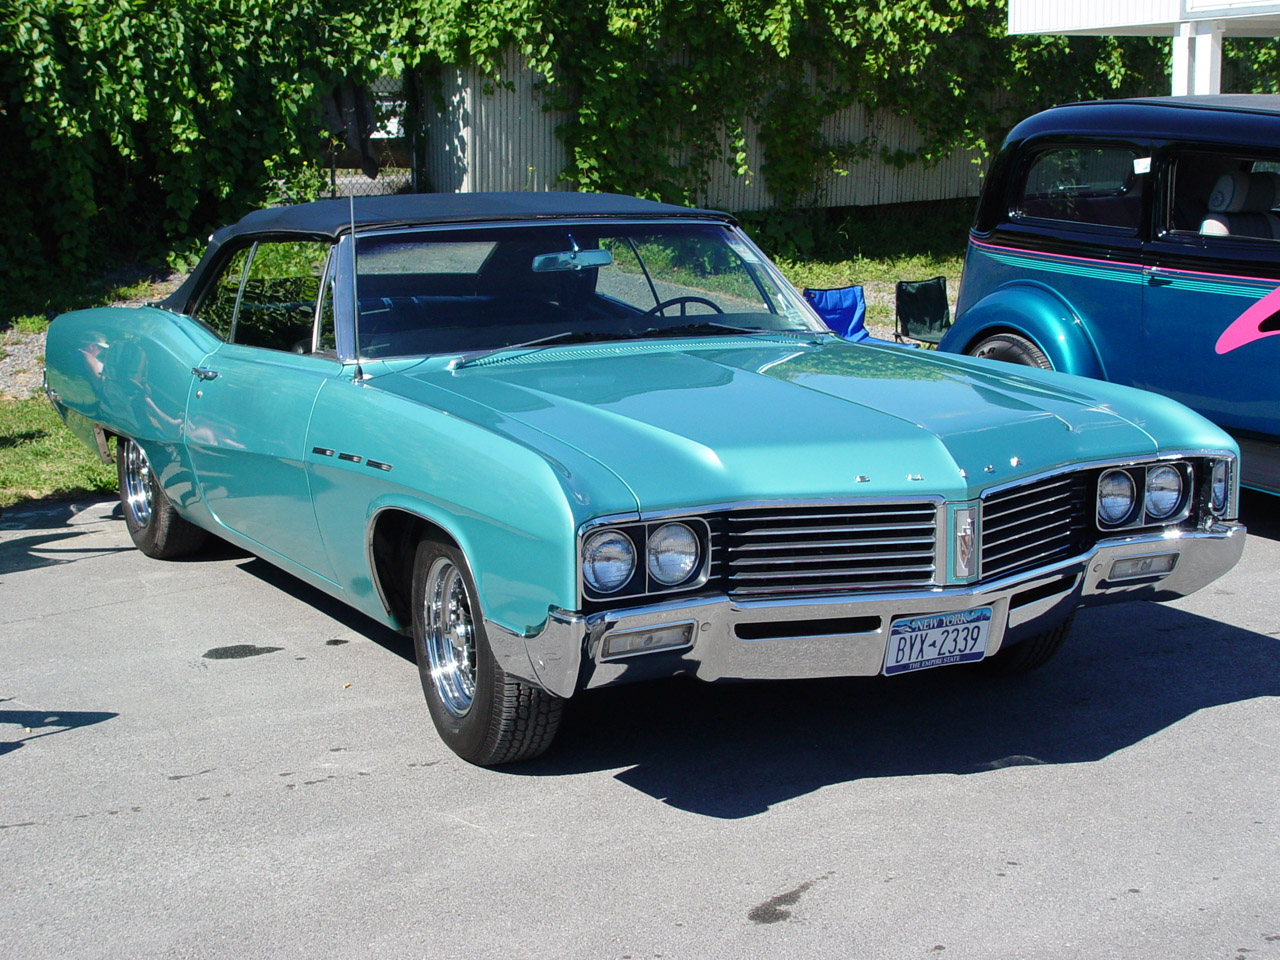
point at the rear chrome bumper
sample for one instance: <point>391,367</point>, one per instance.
<point>845,635</point>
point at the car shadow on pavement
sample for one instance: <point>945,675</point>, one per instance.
<point>33,724</point>
<point>349,617</point>
<point>733,751</point>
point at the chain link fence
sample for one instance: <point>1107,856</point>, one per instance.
<point>391,146</point>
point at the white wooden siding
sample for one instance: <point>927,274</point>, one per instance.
<point>490,137</point>
<point>1243,18</point>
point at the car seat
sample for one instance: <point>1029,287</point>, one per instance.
<point>1240,206</point>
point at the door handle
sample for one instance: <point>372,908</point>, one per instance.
<point>1156,276</point>
<point>203,373</point>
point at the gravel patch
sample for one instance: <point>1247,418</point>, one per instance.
<point>22,354</point>
<point>21,364</point>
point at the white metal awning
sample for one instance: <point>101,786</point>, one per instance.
<point>1196,26</point>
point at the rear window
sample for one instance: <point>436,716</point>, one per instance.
<point>1085,185</point>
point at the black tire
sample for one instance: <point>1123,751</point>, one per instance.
<point>1030,654</point>
<point>1011,348</point>
<point>482,714</point>
<point>154,525</point>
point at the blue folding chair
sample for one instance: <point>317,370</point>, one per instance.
<point>843,309</point>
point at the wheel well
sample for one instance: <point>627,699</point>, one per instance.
<point>995,331</point>
<point>393,545</point>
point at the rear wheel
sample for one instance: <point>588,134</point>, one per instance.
<point>482,714</point>
<point>1030,654</point>
<point>154,525</point>
<point>1011,348</point>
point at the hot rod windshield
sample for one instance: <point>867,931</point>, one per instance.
<point>459,291</point>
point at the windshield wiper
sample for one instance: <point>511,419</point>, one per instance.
<point>566,336</point>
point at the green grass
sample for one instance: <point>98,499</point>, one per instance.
<point>40,458</point>
<point>872,246</point>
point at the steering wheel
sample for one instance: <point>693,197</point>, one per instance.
<point>681,301</point>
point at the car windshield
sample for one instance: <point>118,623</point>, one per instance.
<point>462,291</point>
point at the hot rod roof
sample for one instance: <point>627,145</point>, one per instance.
<point>1223,118</point>
<point>329,219</point>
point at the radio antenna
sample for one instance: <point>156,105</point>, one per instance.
<point>355,296</point>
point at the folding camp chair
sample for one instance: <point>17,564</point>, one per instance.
<point>921,310</point>
<point>843,309</point>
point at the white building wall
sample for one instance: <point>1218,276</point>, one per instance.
<point>490,137</point>
<point>1158,18</point>
<point>1093,16</point>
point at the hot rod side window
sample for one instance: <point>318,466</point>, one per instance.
<point>1220,195</point>
<point>1087,185</point>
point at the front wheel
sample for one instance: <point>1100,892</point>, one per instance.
<point>1011,348</point>
<point>154,525</point>
<point>482,714</point>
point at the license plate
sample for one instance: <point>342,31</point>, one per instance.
<point>935,640</point>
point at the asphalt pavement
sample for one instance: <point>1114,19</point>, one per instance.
<point>209,759</point>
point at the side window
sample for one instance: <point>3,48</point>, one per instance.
<point>328,342</point>
<point>219,305</point>
<point>1088,185</point>
<point>278,304</point>
<point>1218,195</point>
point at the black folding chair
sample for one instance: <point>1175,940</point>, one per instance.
<point>921,310</point>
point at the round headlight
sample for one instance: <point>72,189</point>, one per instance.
<point>608,560</point>
<point>1164,492</point>
<point>1218,487</point>
<point>1115,496</point>
<point>673,554</point>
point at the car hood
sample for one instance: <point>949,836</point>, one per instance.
<point>706,422</point>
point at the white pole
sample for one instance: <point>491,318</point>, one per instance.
<point>1197,57</point>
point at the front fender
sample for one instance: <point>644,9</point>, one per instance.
<point>1037,312</point>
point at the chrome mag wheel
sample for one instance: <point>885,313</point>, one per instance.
<point>450,636</point>
<point>138,490</point>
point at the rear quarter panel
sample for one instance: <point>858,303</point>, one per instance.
<point>129,370</point>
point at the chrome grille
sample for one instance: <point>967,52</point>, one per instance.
<point>827,549</point>
<point>1035,524</point>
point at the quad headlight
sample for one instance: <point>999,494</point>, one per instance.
<point>645,557</point>
<point>672,553</point>
<point>1145,494</point>
<point>1164,492</point>
<point>1116,497</point>
<point>608,560</point>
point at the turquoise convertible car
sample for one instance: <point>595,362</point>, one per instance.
<point>570,440</point>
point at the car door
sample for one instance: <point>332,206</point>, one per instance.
<point>247,418</point>
<point>1211,299</point>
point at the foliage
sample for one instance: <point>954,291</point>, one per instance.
<point>39,457</point>
<point>128,124</point>
<point>660,91</point>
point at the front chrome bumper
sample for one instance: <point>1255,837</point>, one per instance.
<point>566,655</point>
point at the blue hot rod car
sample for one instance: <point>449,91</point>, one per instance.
<point>1138,241</point>
<point>568,440</point>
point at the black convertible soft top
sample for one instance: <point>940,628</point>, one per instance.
<point>329,219</point>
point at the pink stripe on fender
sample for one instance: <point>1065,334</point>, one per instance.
<point>1247,327</point>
